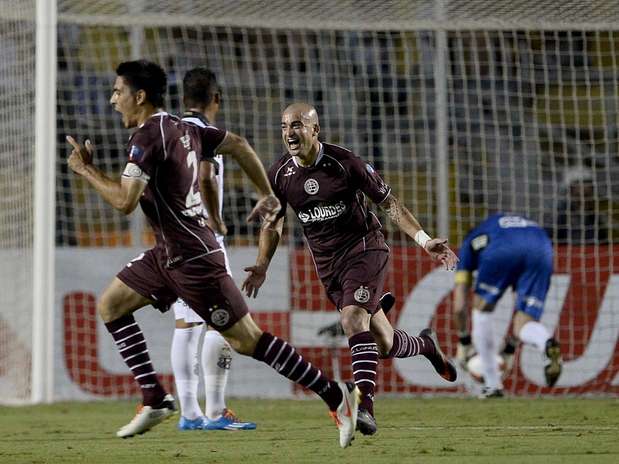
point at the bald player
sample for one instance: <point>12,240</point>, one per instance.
<point>187,261</point>
<point>327,187</point>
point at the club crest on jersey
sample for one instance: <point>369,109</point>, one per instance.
<point>135,154</point>
<point>362,295</point>
<point>219,316</point>
<point>311,186</point>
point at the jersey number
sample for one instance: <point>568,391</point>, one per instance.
<point>193,198</point>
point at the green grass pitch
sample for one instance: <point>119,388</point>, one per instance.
<point>433,430</point>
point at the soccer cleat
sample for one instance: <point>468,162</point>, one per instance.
<point>191,424</point>
<point>487,393</point>
<point>147,417</point>
<point>228,421</point>
<point>553,369</point>
<point>387,301</point>
<point>366,424</point>
<point>345,416</point>
<point>439,361</point>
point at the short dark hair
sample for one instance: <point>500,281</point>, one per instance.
<point>147,76</point>
<point>199,87</point>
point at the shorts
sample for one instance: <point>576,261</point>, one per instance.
<point>182,310</point>
<point>203,283</point>
<point>528,271</point>
<point>360,281</point>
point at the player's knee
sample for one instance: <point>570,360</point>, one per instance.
<point>520,319</point>
<point>354,319</point>
<point>109,307</point>
<point>106,309</point>
<point>243,336</point>
<point>243,345</point>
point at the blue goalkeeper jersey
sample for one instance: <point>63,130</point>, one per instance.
<point>508,250</point>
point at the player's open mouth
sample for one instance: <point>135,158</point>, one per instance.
<point>293,144</point>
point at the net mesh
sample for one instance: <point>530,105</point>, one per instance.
<point>16,209</point>
<point>532,100</point>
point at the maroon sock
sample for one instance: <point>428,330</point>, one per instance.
<point>132,347</point>
<point>282,357</point>
<point>406,346</point>
<point>364,364</point>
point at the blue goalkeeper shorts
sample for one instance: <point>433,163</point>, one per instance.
<point>524,265</point>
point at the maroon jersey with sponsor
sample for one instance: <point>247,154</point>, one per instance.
<point>166,152</point>
<point>329,199</point>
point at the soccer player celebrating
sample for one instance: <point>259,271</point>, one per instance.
<point>187,262</point>
<point>326,186</point>
<point>506,250</point>
<point>201,97</point>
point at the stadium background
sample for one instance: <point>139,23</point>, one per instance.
<point>466,108</point>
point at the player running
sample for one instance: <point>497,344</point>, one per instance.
<point>201,97</point>
<point>326,186</point>
<point>164,156</point>
<point>506,251</point>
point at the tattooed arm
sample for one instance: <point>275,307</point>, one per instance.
<point>436,247</point>
<point>401,216</point>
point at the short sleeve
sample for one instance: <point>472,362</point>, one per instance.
<point>211,138</point>
<point>467,256</point>
<point>277,191</point>
<point>145,150</point>
<point>367,179</point>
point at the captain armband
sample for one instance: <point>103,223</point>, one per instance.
<point>422,238</point>
<point>464,277</point>
<point>133,171</point>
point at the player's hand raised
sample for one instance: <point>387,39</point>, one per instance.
<point>81,155</point>
<point>439,251</point>
<point>255,279</point>
<point>266,209</point>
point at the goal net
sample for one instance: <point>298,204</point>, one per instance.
<point>466,108</point>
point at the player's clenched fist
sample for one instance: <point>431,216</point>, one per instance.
<point>266,209</point>
<point>437,248</point>
<point>80,156</point>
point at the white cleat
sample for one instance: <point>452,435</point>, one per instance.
<point>345,416</point>
<point>147,417</point>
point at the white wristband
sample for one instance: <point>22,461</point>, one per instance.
<point>422,238</point>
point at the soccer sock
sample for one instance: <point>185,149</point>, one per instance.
<point>132,347</point>
<point>364,364</point>
<point>406,346</point>
<point>282,357</point>
<point>185,367</point>
<point>483,340</point>
<point>216,359</point>
<point>534,333</point>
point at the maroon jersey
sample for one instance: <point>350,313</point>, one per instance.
<point>329,198</point>
<point>165,152</point>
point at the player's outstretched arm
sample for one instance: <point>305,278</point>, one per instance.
<point>210,196</point>
<point>437,248</point>
<point>123,195</point>
<point>270,233</point>
<point>242,152</point>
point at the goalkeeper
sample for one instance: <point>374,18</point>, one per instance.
<point>505,250</point>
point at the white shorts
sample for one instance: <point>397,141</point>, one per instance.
<point>181,310</point>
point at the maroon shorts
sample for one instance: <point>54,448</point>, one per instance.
<point>203,283</point>
<point>360,281</point>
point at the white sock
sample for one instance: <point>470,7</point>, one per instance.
<point>216,358</point>
<point>534,333</point>
<point>186,369</point>
<point>483,339</point>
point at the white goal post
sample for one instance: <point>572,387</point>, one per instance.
<point>466,108</point>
